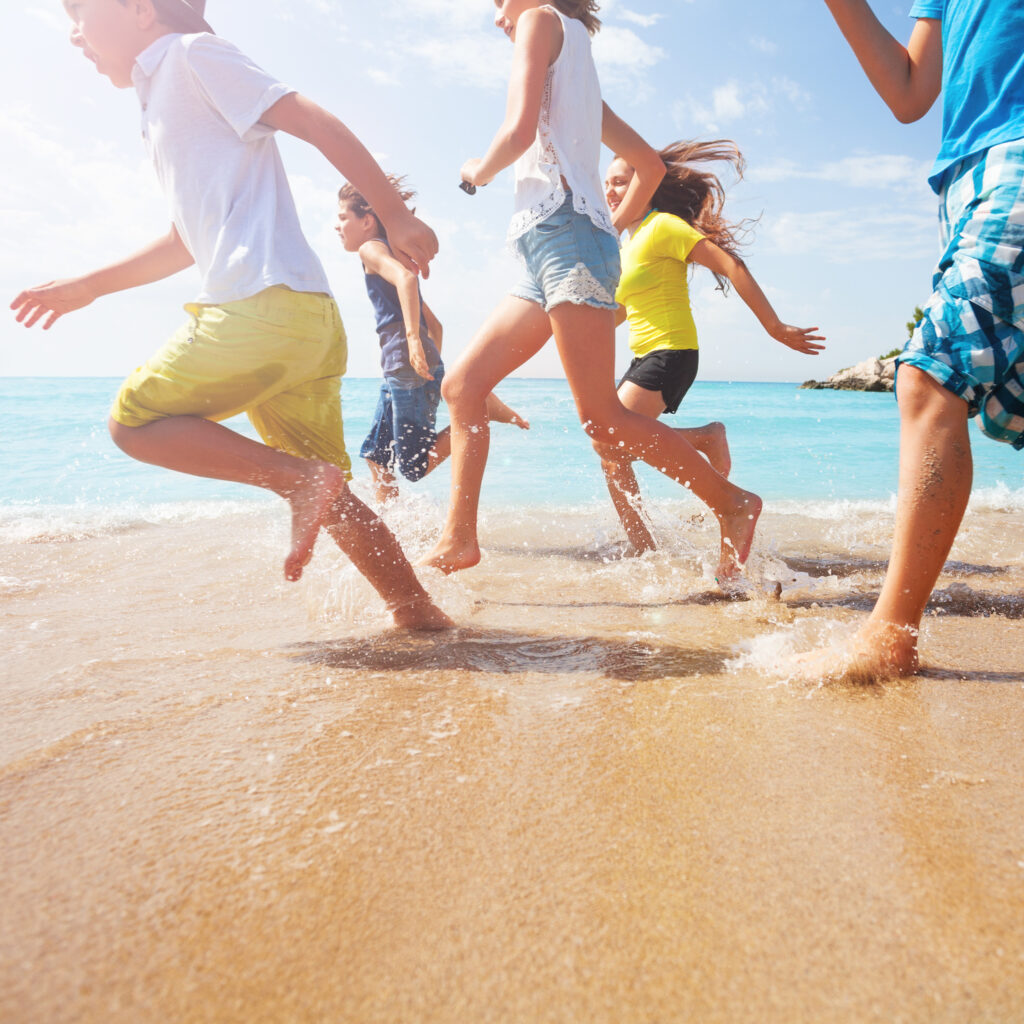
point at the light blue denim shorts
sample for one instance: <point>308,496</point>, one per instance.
<point>568,259</point>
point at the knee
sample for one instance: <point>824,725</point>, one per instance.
<point>608,453</point>
<point>921,396</point>
<point>122,436</point>
<point>602,431</point>
<point>458,389</point>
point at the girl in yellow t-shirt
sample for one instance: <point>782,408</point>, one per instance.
<point>683,225</point>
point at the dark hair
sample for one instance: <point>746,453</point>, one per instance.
<point>698,196</point>
<point>357,203</point>
<point>581,10</point>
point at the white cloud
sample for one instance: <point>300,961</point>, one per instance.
<point>478,61</point>
<point>851,235</point>
<point>643,20</point>
<point>735,101</point>
<point>763,45</point>
<point>623,58</point>
<point>867,170</point>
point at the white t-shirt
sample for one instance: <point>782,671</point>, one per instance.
<point>220,169</point>
<point>568,140</point>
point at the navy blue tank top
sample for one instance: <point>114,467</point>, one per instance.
<point>394,347</point>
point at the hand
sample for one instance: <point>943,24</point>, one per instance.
<point>54,298</point>
<point>470,173</point>
<point>800,339</point>
<point>413,243</point>
<point>417,358</point>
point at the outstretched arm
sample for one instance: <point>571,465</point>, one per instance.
<point>648,166</point>
<point>718,261</point>
<point>908,78</point>
<point>413,242</point>
<point>161,259</point>
<point>538,42</point>
<point>378,259</point>
<point>434,327</point>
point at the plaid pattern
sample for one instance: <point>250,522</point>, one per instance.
<point>971,339</point>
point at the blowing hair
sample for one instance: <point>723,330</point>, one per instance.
<point>698,196</point>
<point>581,10</point>
<point>357,203</point>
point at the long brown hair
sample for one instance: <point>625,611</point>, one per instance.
<point>581,10</point>
<point>356,202</point>
<point>698,196</point>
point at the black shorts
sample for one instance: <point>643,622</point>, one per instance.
<point>670,371</point>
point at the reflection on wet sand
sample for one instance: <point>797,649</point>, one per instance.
<point>577,807</point>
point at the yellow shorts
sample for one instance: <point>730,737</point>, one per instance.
<point>277,356</point>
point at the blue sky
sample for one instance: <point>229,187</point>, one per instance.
<point>846,238</point>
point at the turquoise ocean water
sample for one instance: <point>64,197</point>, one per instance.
<point>788,445</point>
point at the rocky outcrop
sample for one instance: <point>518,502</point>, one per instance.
<point>871,375</point>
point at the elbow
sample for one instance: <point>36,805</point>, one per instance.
<point>519,137</point>
<point>654,169</point>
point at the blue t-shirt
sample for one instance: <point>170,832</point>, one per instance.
<point>982,76</point>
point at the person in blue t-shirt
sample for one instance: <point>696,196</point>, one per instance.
<point>403,434</point>
<point>966,356</point>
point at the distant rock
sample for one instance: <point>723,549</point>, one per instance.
<point>871,375</point>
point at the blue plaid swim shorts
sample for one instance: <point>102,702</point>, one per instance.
<point>971,339</point>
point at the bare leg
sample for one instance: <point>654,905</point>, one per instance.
<point>384,487</point>
<point>934,486</point>
<point>441,450</point>
<point>625,494</point>
<point>376,553</point>
<point>585,339</point>
<point>516,330</point>
<point>201,447</point>
<point>499,412</point>
<point>711,442</point>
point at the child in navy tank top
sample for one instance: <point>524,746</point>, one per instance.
<point>403,436</point>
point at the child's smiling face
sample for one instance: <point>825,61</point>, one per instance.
<point>110,34</point>
<point>616,181</point>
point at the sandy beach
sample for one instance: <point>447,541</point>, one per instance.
<point>223,798</point>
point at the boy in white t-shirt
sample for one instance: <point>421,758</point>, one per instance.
<point>264,335</point>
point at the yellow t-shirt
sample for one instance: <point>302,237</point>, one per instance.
<point>653,286</point>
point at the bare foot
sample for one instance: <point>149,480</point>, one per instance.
<point>499,412</point>
<point>877,651</point>
<point>737,536</point>
<point>450,557</point>
<point>383,493</point>
<point>311,500</point>
<point>717,449</point>
<point>422,614</point>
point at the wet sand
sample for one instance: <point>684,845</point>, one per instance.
<point>223,798</point>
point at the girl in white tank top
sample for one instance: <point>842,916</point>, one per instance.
<point>555,123</point>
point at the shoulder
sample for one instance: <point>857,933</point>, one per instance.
<point>668,225</point>
<point>540,23</point>
<point>373,253</point>
<point>204,45</point>
<point>214,55</point>
<point>669,235</point>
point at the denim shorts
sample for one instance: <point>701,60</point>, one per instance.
<point>971,338</point>
<point>568,259</point>
<point>402,435</point>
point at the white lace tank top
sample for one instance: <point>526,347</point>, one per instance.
<point>568,141</point>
